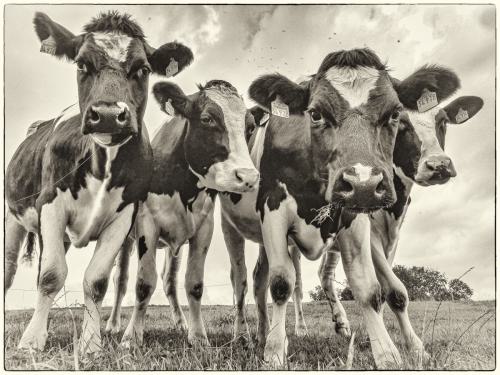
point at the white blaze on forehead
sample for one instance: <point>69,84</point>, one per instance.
<point>234,111</point>
<point>353,84</point>
<point>363,172</point>
<point>114,44</point>
<point>424,124</point>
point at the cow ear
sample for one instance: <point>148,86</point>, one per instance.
<point>463,108</point>
<point>265,89</point>
<point>169,59</point>
<point>56,39</point>
<point>167,91</point>
<point>442,81</point>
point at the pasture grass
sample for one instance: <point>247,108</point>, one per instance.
<point>461,336</point>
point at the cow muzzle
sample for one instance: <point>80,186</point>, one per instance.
<point>435,170</point>
<point>109,124</point>
<point>362,189</point>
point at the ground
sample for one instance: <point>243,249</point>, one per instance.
<point>461,336</point>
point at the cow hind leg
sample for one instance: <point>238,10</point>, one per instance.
<point>260,285</point>
<point>14,237</point>
<point>235,244</point>
<point>52,273</point>
<point>327,278</point>
<point>300,323</point>
<point>120,280</point>
<point>169,276</point>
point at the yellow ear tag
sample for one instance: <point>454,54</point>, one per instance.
<point>169,109</point>
<point>461,116</point>
<point>278,108</point>
<point>427,101</point>
<point>49,46</point>
<point>172,68</point>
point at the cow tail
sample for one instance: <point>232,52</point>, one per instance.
<point>29,248</point>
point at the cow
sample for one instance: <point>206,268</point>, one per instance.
<point>323,170</point>
<point>81,176</point>
<point>201,151</point>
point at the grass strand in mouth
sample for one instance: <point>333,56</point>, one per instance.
<point>323,213</point>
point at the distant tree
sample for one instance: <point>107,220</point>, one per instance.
<point>459,290</point>
<point>422,282</point>
<point>346,294</point>
<point>318,294</point>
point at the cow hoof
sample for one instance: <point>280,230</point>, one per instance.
<point>301,330</point>
<point>113,327</point>
<point>89,346</point>
<point>130,339</point>
<point>33,340</point>
<point>181,325</point>
<point>342,329</point>
<point>273,361</point>
<point>198,340</point>
<point>275,353</point>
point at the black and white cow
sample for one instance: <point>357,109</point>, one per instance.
<point>198,153</point>
<point>329,153</point>
<point>419,158</point>
<point>80,177</point>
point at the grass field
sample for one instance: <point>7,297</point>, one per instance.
<point>460,337</point>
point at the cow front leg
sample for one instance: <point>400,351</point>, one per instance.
<point>198,248</point>
<point>396,296</point>
<point>146,242</point>
<point>120,280</point>
<point>281,281</point>
<point>52,272</point>
<point>14,237</point>
<point>354,243</point>
<point>260,285</point>
<point>235,245</point>
<point>326,275</point>
<point>169,277</point>
<point>95,282</point>
<point>300,323</point>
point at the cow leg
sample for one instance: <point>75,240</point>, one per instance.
<point>396,296</point>
<point>326,275</point>
<point>235,244</point>
<point>281,281</point>
<point>198,248</point>
<point>169,277</point>
<point>354,243</point>
<point>146,242</point>
<point>95,282</point>
<point>14,237</point>
<point>300,323</point>
<point>52,272</point>
<point>260,285</point>
<point>120,280</point>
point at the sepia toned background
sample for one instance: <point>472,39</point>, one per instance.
<point>449,228</point>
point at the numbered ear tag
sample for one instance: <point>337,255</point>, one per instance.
<point>169,109</point>
<point>172,68</point>
<point>427,101</point>
<point>461,116</point>
<point>49,46</point>
<point>278,108</point>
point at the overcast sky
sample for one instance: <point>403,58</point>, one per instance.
<point>449,228</point>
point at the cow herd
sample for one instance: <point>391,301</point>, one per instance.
<point>322,167</point>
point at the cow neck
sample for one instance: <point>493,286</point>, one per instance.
<point>287,162</point>
<point>171,173</point>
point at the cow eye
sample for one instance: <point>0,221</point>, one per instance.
<point>82,67</point>
<point>316,117</point>
<point>206,120</point>
<point>143,72</point>
<point>396,114</point>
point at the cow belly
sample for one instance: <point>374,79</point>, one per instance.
<point>176,223</point>
<point>93,210</point>
<point>243,216</point>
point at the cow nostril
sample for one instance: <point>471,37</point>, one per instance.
<point>238,177</point>
<point>380,189</point>
<point>93,115</point>
<point>344,185</point>
<point>122,116</point>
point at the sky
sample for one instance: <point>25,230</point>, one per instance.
<point>449,228</point>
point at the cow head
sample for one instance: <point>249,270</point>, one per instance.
<point>113,62</point>
<point>215,146</point>
<point>352,111</point>
<point>419,150</point>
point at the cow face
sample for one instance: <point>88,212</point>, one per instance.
<point>113,62</point>
<point>352,112</point>
<point>215,146</point>
<point>419,150</point>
